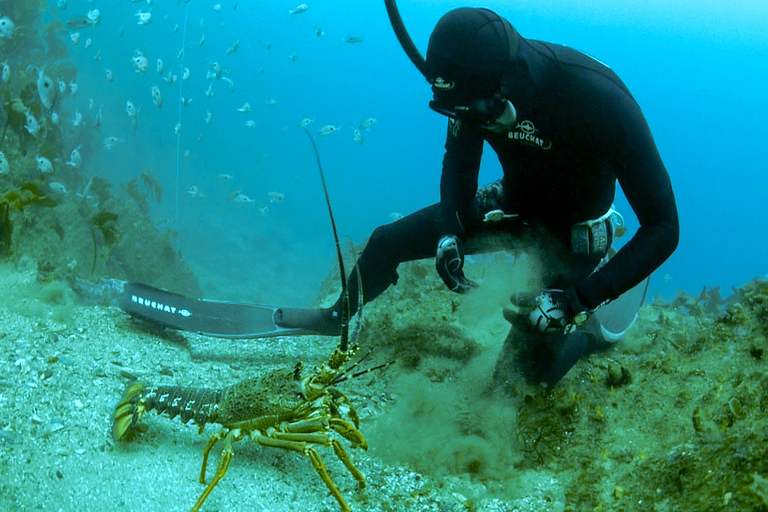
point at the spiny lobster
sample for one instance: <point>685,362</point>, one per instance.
<point>281,408</point>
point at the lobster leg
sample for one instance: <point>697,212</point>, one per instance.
<point>317,462</point>
<point>218,436</point>
<point>343,456</point>
<point>226,457</point>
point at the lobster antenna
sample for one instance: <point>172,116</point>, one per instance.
<point>344,292</point>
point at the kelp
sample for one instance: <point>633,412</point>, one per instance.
<point>27,194</point>
<point>105,223</point>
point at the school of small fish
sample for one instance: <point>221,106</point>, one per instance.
<point>86,33</point>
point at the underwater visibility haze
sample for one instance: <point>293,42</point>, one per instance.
<point>162,142</point>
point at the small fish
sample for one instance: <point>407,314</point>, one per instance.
<point>250,123</point>
<point>186,100</point>
<point>202,40</point>
<point>328,129</point>
<point>75,159</point>
<point>292,57</point>
<point>185,74</point>
<point>93,17</point>
<point>357,135</point>
<point>62,86</point>
<point>88,43</point>
<point>78,22</point>
<point>140,62</point>
<point>395,216</point>
<point>110,142</point>
<point>208,117</point>
<point>271,102</point>
<point>78,119</point>
<point>159,66</point>
<point>225,177</point>
<point>263,210</point>
<point>62,4</point>
<point>132,112</point>
<point>6,27</point>
<point>319,31</point>
<point>44,165</point>
<point>216,69</point>
<point>194,192</point>
<point>157,97</point>
<point>58,187</point>
<point>232,49</point>
<point>305,122</point>
<point>6,73</point>
<point>46,88</point>
<point>73,88</point>
<point>5,167</point>
<point>245,108</point>
<point>32,126</point>
<point>177,129</point>
<point>74,37</point>
<point>367,123</point>
<point>209,90</point>
<point>275,197</point>
<point>299,9</point>
<point>217,8</point>
<point>110,75</point>
<point>239,197</point>
<point>230,82</point>
<point>55,118</point>
<point>145,18</point>
<point>170,78</point>
<point>353,38</point>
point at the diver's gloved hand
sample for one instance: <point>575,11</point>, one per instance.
<point>449,264</point>
<point>558,311</point>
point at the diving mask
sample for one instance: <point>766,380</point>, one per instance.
<point>495,114</point>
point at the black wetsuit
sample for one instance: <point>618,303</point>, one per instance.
<point>578,130</point>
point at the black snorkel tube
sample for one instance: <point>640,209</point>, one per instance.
<point>405,40</point>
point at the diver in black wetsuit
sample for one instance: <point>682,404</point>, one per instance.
<point>564,128</point>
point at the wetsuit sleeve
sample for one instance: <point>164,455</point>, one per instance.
<point>458,182</point>
<point>646,184</point>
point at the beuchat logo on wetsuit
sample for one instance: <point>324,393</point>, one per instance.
<point>525,132</point>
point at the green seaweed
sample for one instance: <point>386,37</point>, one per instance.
<point>5,229</point>
<point>105,223</point>
<point>28,194</point>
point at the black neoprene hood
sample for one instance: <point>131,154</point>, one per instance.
<point>469,50</point>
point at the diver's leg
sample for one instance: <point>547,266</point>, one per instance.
<point>411,238</point>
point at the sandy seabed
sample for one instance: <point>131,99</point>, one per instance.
<point>674,419</point>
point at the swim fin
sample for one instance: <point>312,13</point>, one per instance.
<point>207,317</point>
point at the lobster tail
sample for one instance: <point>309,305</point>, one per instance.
<point>198,404</point>
<point>128,411</point>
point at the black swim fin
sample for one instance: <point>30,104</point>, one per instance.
<point>208,317</point>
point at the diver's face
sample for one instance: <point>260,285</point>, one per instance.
<point>489,110</point>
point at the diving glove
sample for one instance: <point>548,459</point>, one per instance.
<point>558,311</point>
<point>449,264</point>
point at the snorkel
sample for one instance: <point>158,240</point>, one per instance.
<point>494,113</point>
<point>405,40</point>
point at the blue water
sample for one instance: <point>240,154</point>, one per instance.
<point>697,69</point>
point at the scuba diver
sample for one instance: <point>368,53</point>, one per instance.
<point>565,129</point>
